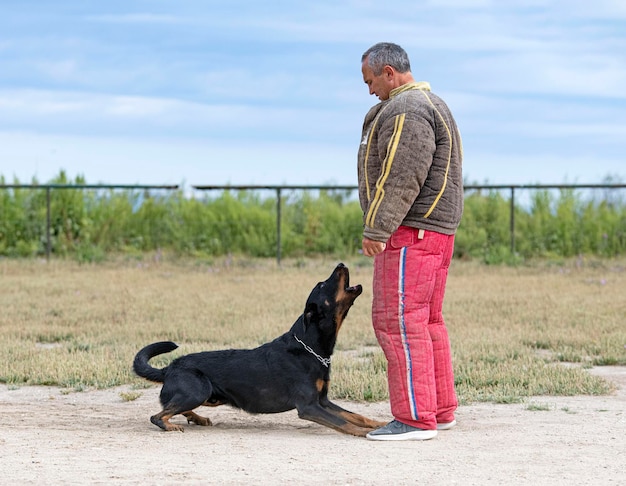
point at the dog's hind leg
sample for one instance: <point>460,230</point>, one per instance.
<point>193,417</point>
<point>181,394</point>
<point>162,420</point>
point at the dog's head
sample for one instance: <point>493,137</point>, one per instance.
<point>330,300</point>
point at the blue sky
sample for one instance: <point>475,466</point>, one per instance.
<point>246,92</point>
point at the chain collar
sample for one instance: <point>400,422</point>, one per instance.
<point>324,361</point>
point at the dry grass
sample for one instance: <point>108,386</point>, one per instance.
<point>511,328</point>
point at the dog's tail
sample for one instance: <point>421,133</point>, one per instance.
<point>143,368</point>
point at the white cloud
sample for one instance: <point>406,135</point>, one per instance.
<point>541,168</point>
<point>597,76</point>
<point>93,113</point>
<point>170,86</point>
<point>139,18</point>
<point>60,70</point>
<point>124,160</point>
<point>598,9</point>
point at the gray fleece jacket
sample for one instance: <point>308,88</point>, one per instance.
<point>409,164</point>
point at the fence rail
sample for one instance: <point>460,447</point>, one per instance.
<point>278,190</point>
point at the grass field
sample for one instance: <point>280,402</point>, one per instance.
<point>515,331</point>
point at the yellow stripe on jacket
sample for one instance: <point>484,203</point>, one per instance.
<point>385,169</point>
<point>445,179</point>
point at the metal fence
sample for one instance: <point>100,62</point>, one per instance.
<point>278,189</point>
<point>49,187</point>
<point>468,187</point>
<point>512,188</point>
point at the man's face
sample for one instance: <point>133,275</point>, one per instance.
<point>378,85</point>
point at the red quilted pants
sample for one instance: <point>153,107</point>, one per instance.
<point>409,286</point>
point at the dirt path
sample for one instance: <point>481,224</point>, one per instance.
<point>97,438</point>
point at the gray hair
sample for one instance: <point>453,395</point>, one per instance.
<point>386,54</point>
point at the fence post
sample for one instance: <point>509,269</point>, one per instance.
<point>512,220</point>
<point>278,219</point>
<point>48,242</point>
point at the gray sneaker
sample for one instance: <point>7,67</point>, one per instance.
<point>395,430</point>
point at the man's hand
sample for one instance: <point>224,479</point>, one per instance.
<point>372,248</point>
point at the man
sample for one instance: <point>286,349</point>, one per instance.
<point>411,193</point>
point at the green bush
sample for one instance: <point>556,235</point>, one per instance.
<point>87,224</point>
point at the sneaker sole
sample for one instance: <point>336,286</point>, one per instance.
<point>414,435</point>
<point>446,425</point>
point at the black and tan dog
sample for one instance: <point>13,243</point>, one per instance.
<point>292,371</point>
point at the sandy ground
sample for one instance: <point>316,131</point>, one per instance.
<point>95,437</point>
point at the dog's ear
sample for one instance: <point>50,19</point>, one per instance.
<point>310,311</point>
